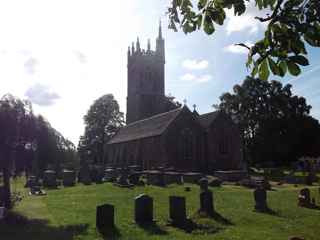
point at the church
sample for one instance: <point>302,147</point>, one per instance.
<point>162,133</point>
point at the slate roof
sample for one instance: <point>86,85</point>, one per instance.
<point>207,118</point>
<point>149,127</point>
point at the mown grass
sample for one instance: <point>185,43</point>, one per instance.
<point>69,213</point>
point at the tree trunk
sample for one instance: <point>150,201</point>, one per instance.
<point>6,187</point>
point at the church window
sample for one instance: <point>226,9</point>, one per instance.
<point>187,144</point>
<point>223,145</point>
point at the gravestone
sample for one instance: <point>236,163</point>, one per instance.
<point>49,179</point>
<point>260,197</point>
<point>143,209</point>
<point>206,203</point>
<point>2,212</point>
<point>110,175</point>
<point>203,183</point>
<point>105,217</point>
<point>172,177</point>
<point>31,181</point>
<point>155,177</point>
<point>85,175</point>
<point>191,177</point>
<point>177,210</point>
<point>304,199</point>
<point>69,178</point>
<point>134,178</point>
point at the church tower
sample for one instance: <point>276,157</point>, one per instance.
<point>146,96</point>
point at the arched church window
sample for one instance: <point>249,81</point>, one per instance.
<point>224,144</point>
<point>186,144</point>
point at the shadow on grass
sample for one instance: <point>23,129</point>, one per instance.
<point>189,226</point>
<point>152,228</point>
<point>16,227</point>
<point>110,233</point>
<point>195,225</point>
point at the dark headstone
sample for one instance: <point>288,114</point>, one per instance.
<point>49,179</point>
<point>110,175</point>
<point>134,178</point>
<point>84,175</point>
<point>191,177</point>
<point>260,197</point>
<point>203,183</point>
<point>216,182</point>
<point>177,208</point>
<point>105,217</point>
<point>155,177</point>
<point>2,212</point>
<point>143,209</point>
<point>206,203</point>
<point>172,177</point>
<point>304,199</point>
<point>31,181</point>
<point>69,178</point>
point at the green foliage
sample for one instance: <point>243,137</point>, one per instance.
<point>290,25</point>
<point>275,124</point>
<point>102,121</point>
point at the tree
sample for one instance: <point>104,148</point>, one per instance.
<point>26,139</point>
<point>274,122</point>
<point>15,116</point>
<point>102,121</point>
<point>290,24</point>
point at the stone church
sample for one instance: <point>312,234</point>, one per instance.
<point>160,133</point>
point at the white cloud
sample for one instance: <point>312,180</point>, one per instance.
<point>195,64</point>
<point>41,95</point>
<point>188,77</point>
<point>237,49</point>
<point>246,21</point>
<point>204,78</point>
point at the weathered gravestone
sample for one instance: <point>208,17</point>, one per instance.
<point>206,198</point>
<point>143,209</point>
<point>134,178</point>
<point>84,175</point>
<point>172,177</point>
<point>206,203</point>
<point>155,177</point>
<point>2,212</point>
<point>68,177</point>
<point>191,177</point>
<point>31,181</point>
<point>260,197</point>
<point>304,199</point>
<point>49,179</point>
<point>105,217</point>
<point>177,210</point>
<point>203,183</point>
<point>110,175</point>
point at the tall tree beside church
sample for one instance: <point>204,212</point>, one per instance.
<point>102,121</point>
<point>273,121</point>
<point>290,25</point>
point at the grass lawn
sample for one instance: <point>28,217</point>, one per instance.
<point>69,213</point>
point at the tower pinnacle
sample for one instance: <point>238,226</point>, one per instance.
<point>160,30</point>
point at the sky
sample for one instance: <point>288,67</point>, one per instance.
<point>63,54</point>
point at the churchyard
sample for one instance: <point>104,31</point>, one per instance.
<point>71,212</point>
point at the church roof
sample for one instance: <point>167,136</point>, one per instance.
<point>207,118</point>
<point>149,127</point>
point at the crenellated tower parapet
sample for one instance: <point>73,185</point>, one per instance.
<point>145,79</point>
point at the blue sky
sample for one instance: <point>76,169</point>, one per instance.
<point>64,54</point>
